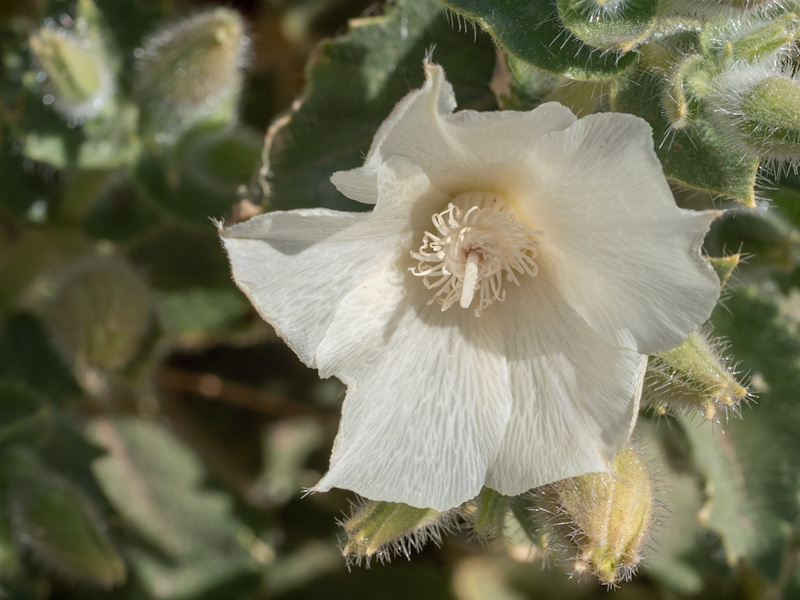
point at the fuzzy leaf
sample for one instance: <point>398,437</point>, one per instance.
<point>24,417</point>
<point>353,84</point>
<point>200,177</point>
<point>534,33</point>
<point>696,155</point>
<point>752,496</point>
<point>156,485</point>
<point>26,354</point>
<point>620,27</point>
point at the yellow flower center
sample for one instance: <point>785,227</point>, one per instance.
<point>477,240</point>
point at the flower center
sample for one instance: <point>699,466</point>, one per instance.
<point>477,240</point>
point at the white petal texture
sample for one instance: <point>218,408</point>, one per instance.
<point>492,314</point>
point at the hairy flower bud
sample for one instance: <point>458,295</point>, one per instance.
<point>693,377</point>
<point>725,266</point>
<point>486,513</point>
<point>752,39</point>
<point>192,68</point>
<point>680,94</point>
<point>758,109</point>
<point>79,80</point>
<point>387,529</point>
<point>100,313</point>
<point>604,519</point>
<point>55,522</point>
<point>709,9</point>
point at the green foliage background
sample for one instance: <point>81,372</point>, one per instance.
<point>156,436</point>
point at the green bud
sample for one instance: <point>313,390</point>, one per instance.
<point>752,39</point>
<point>487,513</point>
<point>192,69</point>
<point>725,267</point>
<point>758,109</point>
<point>79,82</point>
<point>387,529</point>
<point>679,96</point>
<point>56,523</point>
<point>710,9</point>
<point>100,313</point>
<point>618,25</point>
<point>692,377</point>
<point>604,520</point>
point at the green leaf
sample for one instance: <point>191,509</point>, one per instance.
<point>176,256</point>
<point>119,213</point>
<point>609,25</point>
<point>204,174</point>
<point>752,498</point>
<point>696,155</point>
<point>353,84</point>
<point>55,521</point>
<point>156,484</point>
<point>107,142</point>
<point>25,418</point>
<point>198,313</point>
<point>534,33</point>
<point>27,355</point>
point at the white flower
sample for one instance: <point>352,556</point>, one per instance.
<point>491,315</point>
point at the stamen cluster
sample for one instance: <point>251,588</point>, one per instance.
<point>477,240</point>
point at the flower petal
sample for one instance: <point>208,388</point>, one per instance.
<point>460,152</point>
<point>575,397</point>
<point>428,396</point>
<point>619,250</point>
<point>296,266</point>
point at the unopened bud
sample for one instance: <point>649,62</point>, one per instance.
<point>709,9</point>
<point>100,313</point>
<point>57,524</point>
<point>617,25</point>
<point>693,377</point>
<point>387,529</point>
<point>486,513</point>
<point>751,39</point>
<point>725,266</point>
<point>192,68</point>
<point>79,81</point>
<point>758,109</point>
<point>604,519</point>
<point>680,95</point>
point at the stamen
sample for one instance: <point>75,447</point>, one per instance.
<point>470,279</point>
<point>477,241</point>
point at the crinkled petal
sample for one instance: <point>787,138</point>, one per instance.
<point>618,249</point>
<point>460,152</point>
<point>575,396</point>
<point>296,266</point>
<point>428,396</point>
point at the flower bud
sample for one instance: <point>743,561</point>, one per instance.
<point>57,524</point>
<point>191,69</point>
<point>618,25</point>
<point>680,93</point>
<point>79,80</point>
<point>100,313</point>
<point>725,267</point>
<point>754,39</point>
<point>387,529</point>
<point>709,9</point>
<point>692,377</point>
<point>604,519</point>
<point>486,513</point>
<point>758,109</point>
